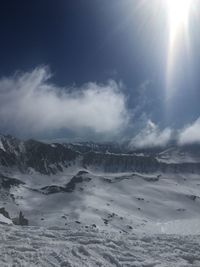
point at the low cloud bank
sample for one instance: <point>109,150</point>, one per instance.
<point>190,134</point>
<point>151,136</point>
<point>30,103</point>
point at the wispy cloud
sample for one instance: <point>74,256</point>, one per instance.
<point>30,103</point>
<point>190,134</point>
<point>151,136</point>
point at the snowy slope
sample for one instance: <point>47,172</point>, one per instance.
<point>178,155</point>
<point>125,202</point>
<point>4,220</point>
<point>91,248</point>
<point>97,205</point>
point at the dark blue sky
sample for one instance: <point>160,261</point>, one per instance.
<point>81,40</point>
<point>96,40</point>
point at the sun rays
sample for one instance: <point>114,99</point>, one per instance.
<point>178,18</point>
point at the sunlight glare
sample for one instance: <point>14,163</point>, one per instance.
<point>178,16</point>
<point>178,12</point>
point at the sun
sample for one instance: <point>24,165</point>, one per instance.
<point>178,11</point>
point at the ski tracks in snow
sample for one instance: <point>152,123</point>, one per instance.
<point>31,246</point>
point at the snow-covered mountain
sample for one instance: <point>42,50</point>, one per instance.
<point>77,195</point>
<point>31,155</point>
<point>100,184</point>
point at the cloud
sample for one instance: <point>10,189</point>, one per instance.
<point>30,103</point>
<point>151,136</point>
<point>190,134</point>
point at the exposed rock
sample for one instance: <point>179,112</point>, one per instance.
<point>192,197</point>
<point>41,157</point>
<point>31,155</point>
<point>180,209</point>
<point>7,182</point>
<point>21,220</point>
<point>4,213</point>
<point>82,173</point>
<point>52,189</point>
<point>105,221</point>
<point>140,199</point>
<point>70,187</point>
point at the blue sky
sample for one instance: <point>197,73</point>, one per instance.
<point>83,56</point>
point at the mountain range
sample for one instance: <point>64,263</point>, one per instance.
<point>100,185</point>
<point>110,157</point>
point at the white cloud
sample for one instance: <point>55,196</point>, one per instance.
<point>30,103</point>
<point>151,136</point>
<point>190,134</point>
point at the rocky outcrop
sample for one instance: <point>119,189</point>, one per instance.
<point>51,189</point>
<point>7,182</point>
<point>69,187</point>
<point>77,179</point>
<point>4,212</point>
<point>21,220</point>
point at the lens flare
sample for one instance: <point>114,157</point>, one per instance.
<point>178,13</point>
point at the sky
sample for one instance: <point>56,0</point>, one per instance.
<point>100,70</point>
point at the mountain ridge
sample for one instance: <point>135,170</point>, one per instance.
<point>52,158</point>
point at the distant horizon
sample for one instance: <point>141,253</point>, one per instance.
<point>127,144</point>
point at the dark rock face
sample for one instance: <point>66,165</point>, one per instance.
<point>69,187</point>
<point>4,213</point>
<point>134,163</point>
<point>52,189</point>
<point>21,220</point>
<point>52,158</point>
<point>7,183</point>
<point>48,159</point>
<point>121,162</point>
<point>77,179</point>
<point>44,158</point>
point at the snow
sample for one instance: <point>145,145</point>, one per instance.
<point>31,246</point>
<point>4,220</point>
<point>176,156</point>
<point>111,201</point>
<point>1,145</point>
<point>116,219</point>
